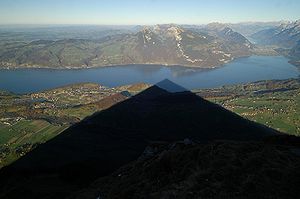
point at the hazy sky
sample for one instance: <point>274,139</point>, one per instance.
<point>145,11</point>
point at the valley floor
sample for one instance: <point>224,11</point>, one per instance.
<point>29,120</point>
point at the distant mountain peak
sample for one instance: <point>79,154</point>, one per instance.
<point>164,29</point>
<point>286,35</point>
<point>216,26</point>
<point>170,86</point>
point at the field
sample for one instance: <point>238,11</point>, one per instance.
<point>278,111</point>
<point>273,103</point>
<point>29,120</point>
<point>23,136</point>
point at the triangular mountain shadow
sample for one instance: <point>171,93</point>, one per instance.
<point>109,139</point>
<point>170,86</point>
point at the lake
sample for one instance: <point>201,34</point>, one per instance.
<point>241,70</point>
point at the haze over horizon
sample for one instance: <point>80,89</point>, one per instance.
<point>146,12</point>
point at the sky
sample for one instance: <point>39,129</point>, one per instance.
<point>145,12</point>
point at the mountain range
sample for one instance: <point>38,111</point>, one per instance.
<point>161,44</point>
<point>205,46</point>
<point>202,46</point>
<point>285,39</point>
<point>286,35</point>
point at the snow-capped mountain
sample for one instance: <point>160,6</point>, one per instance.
<point>285,35</point>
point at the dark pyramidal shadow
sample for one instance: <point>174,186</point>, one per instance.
<point>111,138</point>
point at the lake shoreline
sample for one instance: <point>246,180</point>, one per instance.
<point>142,64</point>
<point>241,70</point>
<point>113,65</point>
<point>130,64</point>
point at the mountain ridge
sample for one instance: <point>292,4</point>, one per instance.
<point>168,44</point>
<point>286,35</point>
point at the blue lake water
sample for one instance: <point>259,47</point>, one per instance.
<point>241,70</point>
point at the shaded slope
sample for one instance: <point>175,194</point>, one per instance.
<point>104,142</point>
<point>169,86</point>
<point>216,170</point>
